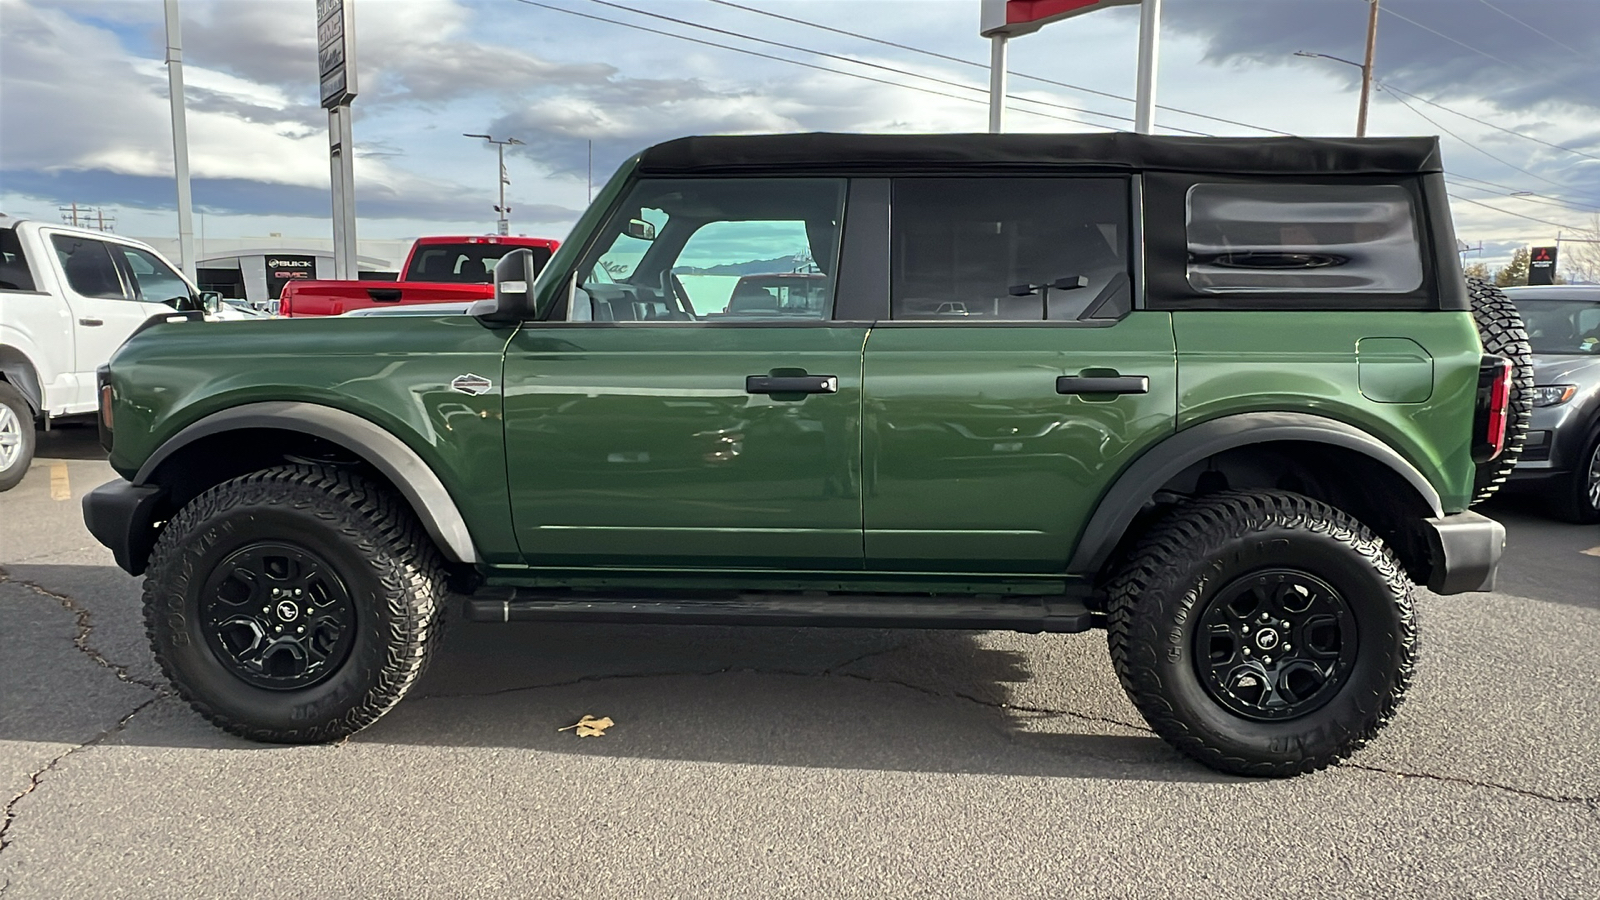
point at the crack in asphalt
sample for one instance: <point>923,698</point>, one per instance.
<point>36,777</point>
<point>829,672</point>
<point>1472,782</point>
<point>85,626</point>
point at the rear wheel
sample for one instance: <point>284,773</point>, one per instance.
<point>1263,632</point>
<point>1501,332</point>
<point>295,605</point>
<point>16,436</point>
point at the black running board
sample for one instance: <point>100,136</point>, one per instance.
<point>1029,614</point>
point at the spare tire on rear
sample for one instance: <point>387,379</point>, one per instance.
<point>1502,334</point>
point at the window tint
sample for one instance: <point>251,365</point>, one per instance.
<point>464,263</point>
<point>716,250</point>
<point>88,266</point>
<point>1009,248</point>
<point>1302,238</point>
<point>14,273</point>
<point>153,280</point>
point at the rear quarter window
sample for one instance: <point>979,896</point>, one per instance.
<point>1302,239</point>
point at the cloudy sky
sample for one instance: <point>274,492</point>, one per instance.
<point>1511,86</point>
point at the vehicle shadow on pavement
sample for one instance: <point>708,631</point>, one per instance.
<point>880,699</point>
<point>75,440</point>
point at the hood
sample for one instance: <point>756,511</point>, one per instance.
<point>1584,371</point>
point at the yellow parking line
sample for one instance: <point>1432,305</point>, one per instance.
<point>60,484</point>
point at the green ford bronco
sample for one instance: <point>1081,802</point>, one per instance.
<point>1228,399</point>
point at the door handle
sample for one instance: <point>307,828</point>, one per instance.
<point>791,384</point>
<point>91,322</point>
<point>1103,384</point>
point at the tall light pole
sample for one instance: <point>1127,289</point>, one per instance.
<point>180,140</point>
<point>500,152</point>
<point>1366,67</point>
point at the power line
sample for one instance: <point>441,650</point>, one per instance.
<point>1454,41</point>
<point>793,62</point>
<point>1524,24</point>
<point>1505,212</point>
<point>968,62</point>
<point>1463,140</point>
<point>1519,195</point>
<point>860,62</point>
<point>1526,137</point>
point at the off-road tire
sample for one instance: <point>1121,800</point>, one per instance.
<point>369,539</point>
<point>1158,597</point>
<point>21,419</point>
<point>1501,332</point>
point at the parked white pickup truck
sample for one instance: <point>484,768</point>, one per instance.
<point>69,297</point>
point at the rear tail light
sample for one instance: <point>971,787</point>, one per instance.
<point>1493,414</point>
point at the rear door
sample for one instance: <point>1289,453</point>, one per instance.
<point>1014,379</point>
<point>659,424</point>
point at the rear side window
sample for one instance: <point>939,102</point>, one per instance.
<point>1012,249</point>
<point>1303,238</point>
<point>88,265</point>
<point>464,263</point>
<point>14,272</point>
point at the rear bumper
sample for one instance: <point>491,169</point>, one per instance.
<point>1464,550</point>
<point>122,516</point>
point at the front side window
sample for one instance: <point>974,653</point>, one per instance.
<point>716,250</point>
<point>88,265</point>
<point>1303,238</point>
<point>153,280</point>
<point>1017,249</point>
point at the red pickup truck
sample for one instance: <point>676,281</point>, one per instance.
<point>438,270</point>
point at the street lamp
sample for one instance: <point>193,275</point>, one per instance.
<point>1366,68</point>
<point>500,151</point>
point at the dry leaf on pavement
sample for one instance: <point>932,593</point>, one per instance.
<point>589,726</point>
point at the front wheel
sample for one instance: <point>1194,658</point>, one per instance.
<point>16,436</point>
<point>1263,632</point>
<point>293,605</point>
<point>1578,497</point>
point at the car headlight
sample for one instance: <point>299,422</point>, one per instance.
<point>1553,394</point>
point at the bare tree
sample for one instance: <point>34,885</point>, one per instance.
<point>1580,259</point>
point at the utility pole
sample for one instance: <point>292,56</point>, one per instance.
<point>180,138</point>
<point>500,153</point>
<point>1366,67</point>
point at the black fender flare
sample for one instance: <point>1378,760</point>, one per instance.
<point>1156,466</point>
<point>421,488</point>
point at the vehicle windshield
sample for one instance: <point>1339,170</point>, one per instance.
<point>464,263</point>
<point>1562,326</point>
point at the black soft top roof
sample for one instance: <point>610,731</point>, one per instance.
<point>824,152</point>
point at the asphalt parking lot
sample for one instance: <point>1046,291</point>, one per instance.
<point>779,762</point>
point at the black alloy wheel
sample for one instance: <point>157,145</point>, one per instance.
<point>1275,644</point>
<point>278,616</point>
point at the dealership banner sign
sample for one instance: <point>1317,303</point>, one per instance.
<point>1010,18</point>
<point>282,269</point>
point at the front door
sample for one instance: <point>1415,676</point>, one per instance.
<point>693,406</point>
<point>1014,380</point>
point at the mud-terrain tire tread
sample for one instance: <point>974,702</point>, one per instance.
<point>1138,624</point>
<point>381,528</point>
<point>13,398</point>
<point>1501,331</point>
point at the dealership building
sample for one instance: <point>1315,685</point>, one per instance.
<point>256,269</point>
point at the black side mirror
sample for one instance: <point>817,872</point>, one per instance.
<point>514,275</point>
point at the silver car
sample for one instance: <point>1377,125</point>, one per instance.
<point>1562,455</point>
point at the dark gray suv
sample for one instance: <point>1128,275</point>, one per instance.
<point>1562,455</point>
